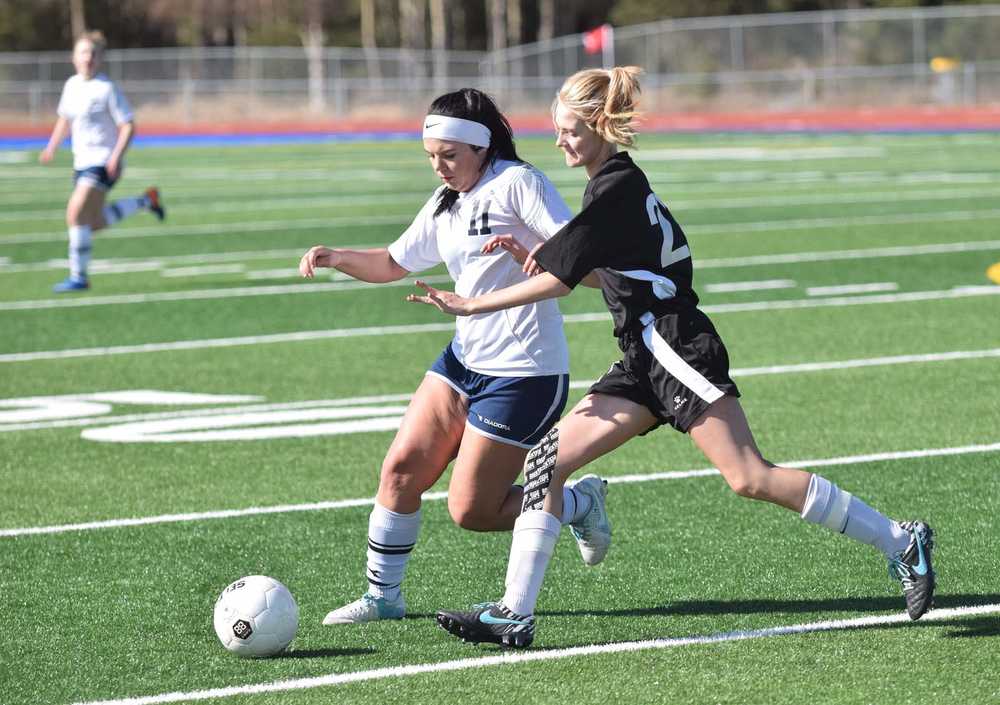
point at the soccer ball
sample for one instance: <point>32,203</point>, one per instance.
<point>255,617</point>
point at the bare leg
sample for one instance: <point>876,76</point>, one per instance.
<point>723,435</point>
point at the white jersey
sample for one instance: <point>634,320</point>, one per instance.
<point>510,198</point>
<point>95,109</point>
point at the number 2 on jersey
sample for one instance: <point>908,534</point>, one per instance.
<point>668,255</point>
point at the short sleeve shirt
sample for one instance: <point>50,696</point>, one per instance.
<point>511,198</point>
<point>95,109</point>
<point>630,238</point>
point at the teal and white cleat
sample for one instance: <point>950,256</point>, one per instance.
<point>593,532</point>
<point>490,622</point>
<point>912,567</point>
<point>367,609</point>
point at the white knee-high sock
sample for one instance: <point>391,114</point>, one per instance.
<point>575,505</point>
<point>840,511</point>
<point>535,535</point>
<point>119,210</point>
<point>391,537</point>
<point>79,250</point>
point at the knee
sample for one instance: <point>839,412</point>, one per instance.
<point>748,481</point>
<point>470,517</point>
<point>399,476</point>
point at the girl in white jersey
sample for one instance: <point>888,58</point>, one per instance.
<point>501,382</point>
<point>100,119</point>
<point>674,370</point>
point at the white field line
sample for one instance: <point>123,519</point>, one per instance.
<point>435,496</point>
<point>329,201</point>
<point>201,294</point>
<point>871,288</point>
<point>513,658</point>
<point>141,264</point>
<point>909,297</point>
<point>738,372</point>
<point>358,221</point>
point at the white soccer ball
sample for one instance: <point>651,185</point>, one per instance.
<point>255,617</point>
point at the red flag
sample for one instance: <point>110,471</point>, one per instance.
<point>595,40</point>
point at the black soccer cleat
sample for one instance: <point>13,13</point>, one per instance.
<point>912,567</point>
<point>490,622</point>
<point>153,203</point>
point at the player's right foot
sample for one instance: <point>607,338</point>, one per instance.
<point>71,284</point>
<point>593,532</point>
<point>367,609</point>
<point>489,622</point>
<point>153,198</point>
<point>912,567</point>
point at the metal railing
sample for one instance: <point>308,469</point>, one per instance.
<point>913,56</point>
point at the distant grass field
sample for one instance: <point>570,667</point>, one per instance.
<point>847,275</point>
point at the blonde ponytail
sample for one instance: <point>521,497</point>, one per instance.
<point>606,101</point>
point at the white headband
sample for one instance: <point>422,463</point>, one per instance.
<point>443,127</point>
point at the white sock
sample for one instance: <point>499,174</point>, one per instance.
<point>119,210</point>
<point>575,505</point>
<point>391,537</point>
<point>535,535</point>
<point>828,505</point>
<point>79,251</point>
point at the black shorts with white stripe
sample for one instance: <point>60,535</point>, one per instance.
<point>675,366</point>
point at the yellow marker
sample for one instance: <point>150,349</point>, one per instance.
<point>994,273</point>
<point>943,64</point>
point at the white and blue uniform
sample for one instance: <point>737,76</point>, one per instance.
<point>502,349</point>
<point>95,108</point>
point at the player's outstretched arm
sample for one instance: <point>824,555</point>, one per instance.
<point>59,132</point>
<point>376,265</point>
<point>538,288</point>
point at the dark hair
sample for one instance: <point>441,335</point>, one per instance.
<point>473,104</point>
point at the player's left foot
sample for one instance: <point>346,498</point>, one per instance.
<point>490,622</point>
<point>912,567</point>
<point>153,199</point>
<point>593,532</point>
<point>71,284</point>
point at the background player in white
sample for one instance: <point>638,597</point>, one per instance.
<point>94,109</point>
<point>675,369</point>
<point>501,382</point>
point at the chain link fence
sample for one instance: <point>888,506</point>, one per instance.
<point>879,58</point>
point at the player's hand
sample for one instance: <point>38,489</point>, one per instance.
<point>530,266</point>
<point>508,243</point>
<point>445,301</point>
<point>45,156</point>
<point>316,257</point>
<point>113,166</point>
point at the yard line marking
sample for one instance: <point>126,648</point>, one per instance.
<point>328,202</point>
<point>739,372</point>
<point>434,496</point>
<point>143,264</point>
<point>357,221</point>
<point>512,658</point>
<point>202,294</point>
<point>407,329</point>
<point>851,289</point>
<point>730,287</point>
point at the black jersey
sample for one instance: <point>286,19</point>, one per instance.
<point>629,237</point>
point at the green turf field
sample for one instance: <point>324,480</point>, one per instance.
<point>148,425</point>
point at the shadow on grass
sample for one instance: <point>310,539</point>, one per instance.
<point>324,653</point>
<point>842,604</point>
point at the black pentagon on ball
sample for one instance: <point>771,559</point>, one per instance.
<point>242,630</point>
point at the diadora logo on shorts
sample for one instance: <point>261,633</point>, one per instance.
<point>679,402</point>
<point>494,424</point>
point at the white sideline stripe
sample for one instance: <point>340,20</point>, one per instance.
<point>739,372</point>
<point>144,264</point>
<point>851,289</point>
<point>432,496</point>
<point>201,294</point>
<point>408,329</point>
<point>358,221</point>
<point>512,658</point>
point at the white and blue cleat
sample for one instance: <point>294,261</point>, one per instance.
<point>367,608</point>
<point>912,567</point>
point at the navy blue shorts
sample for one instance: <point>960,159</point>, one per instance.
<point>96,176</point>
<point>514,410</point>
